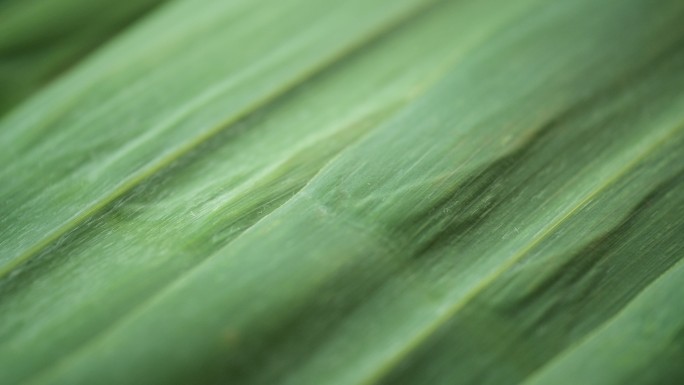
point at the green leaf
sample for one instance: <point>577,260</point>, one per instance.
<point>362,192</point>
<point>39,39</point>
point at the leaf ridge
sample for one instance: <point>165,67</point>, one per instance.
<point>159,163</point>
<point>515,258</point>
<point>386,114</point>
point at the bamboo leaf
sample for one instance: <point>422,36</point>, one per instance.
<point>369,192</point>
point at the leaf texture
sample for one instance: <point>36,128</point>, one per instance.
<point>364,192</point>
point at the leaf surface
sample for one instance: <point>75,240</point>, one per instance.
<point>387,192</point>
